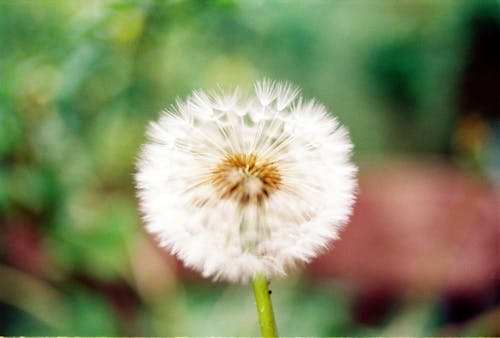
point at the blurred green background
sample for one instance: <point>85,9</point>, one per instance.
<point>416,83</point>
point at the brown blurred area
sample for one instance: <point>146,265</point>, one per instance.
<point>428,228</point>
<point>420,229</point>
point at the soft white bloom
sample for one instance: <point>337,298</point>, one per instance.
<point>237,187</point>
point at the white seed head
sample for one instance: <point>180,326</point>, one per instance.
<point>238,187</point>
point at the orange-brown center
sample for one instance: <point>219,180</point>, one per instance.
<point>246,178</point>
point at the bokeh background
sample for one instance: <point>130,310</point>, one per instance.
<point>416,82</point>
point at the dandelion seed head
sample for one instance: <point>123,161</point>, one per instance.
<point>238,187</point>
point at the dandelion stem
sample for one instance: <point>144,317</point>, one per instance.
<point>264,307</point>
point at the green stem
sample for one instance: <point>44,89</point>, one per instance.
<point>264,307</point>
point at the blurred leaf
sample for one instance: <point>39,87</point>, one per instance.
<point>93,238</point>
<point>10,132</point>
<point>89,315</point>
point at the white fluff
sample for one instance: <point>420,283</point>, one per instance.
<point>221,237</point>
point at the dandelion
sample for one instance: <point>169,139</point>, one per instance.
<point>246,188</point>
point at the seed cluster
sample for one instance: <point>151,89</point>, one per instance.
<point>246,178</point>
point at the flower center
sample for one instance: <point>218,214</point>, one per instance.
<point>246,178</point>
